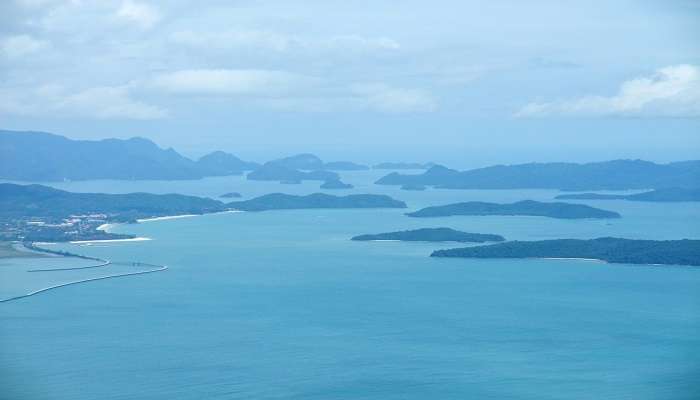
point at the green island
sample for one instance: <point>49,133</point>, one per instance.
<point>523,208</point>
<point>432,235</point>
<point>273,171</point>
<point>658,195</point>
<point>336,184</point>
<point>231,195</point>
<point>613,250</point>
<point>280,201</point>
<point>415,187</point>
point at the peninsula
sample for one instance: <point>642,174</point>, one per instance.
<point>280,201</point>
<point>525,208</point>
<point>613,250</point>
<point>432,235</point>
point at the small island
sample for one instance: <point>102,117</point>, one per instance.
<point>613,250</point>
<point>403,165</point>
<point>658,195</point>
<point>344,166</point>
<point>432,235</point>
<point>522,208</point>
<point>336,184</point>
<point>272,171</point>
<point>231,195</point>
<point>280,201</point>
<point>413,187</point>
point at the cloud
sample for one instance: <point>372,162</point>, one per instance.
<point>672,91</point>
<point>384,98</point>
<point>281,42</point>
<point>143,15</point>
<point>232,82</point>
<point>20,45</point>
<point>105,102</point>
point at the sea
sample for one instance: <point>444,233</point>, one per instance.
<point>283,305</point>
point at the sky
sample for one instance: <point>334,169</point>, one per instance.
<point>465,83</point>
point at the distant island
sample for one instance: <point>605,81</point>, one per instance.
<point>402,165</point>
<point>42,213</point>
<point>280,201</point>
<point>607,175</point>
<point>272,171</point>
<point>525,207</point>
<point>413,187</point>
<point>41,156</point>
<point>658,195</point>
<point>230,195</point>
<point>336,184</point>
<point>613,250</point>
<point>432,235</point>
<point>311,162</point>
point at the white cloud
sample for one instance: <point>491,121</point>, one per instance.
<point>389,99</point>
<point>672,91</point>
<point>281,42</point>
<point>232,82</point>
<point>143,15</point>
<point>21,45</point>
<point>105,102</point>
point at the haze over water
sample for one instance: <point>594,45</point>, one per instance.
<point>281,304</point>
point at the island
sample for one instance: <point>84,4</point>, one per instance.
<point>231,195</point>
<point>658,195</point>
<point>403,165</point>
<point>281,201</point>
<point>613,250</point>
<point>410,186</point>
<point>336,184</point>
<point>44,214</point>
<point>272,171</point>
<point>605,175</point>
<point>524,208</point>
<point>432,235</point>
<point>344,166</point>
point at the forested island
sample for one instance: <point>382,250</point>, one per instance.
<point>280,201</point>
<point>231,195</point>
<point>432,235</point>
<point>403,165</point>
<point>272,171</point>
<point>606,175</point>
<point>413,187</point>
<point>613,250</point>
<point>658,195</point>
<point>524,208</point>
<point>336,184</point>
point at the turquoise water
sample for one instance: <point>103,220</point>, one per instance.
<point>281,305</point>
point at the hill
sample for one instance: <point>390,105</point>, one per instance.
<point>526,207</point>
<point>280,201</point>
<point>607,175</point>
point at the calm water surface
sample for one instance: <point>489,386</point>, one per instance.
<point>281,305</point>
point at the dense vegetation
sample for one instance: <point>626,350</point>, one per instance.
<point>614,250</point>
<point>433,235</point>
<point>402,165</point>
<point>617,174</point>
<point>658,195</point>
<point>336,184</point>
<point>21,201</point>
<point>272,171</point>
<point>280,201</point>
<point>526,207</point>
